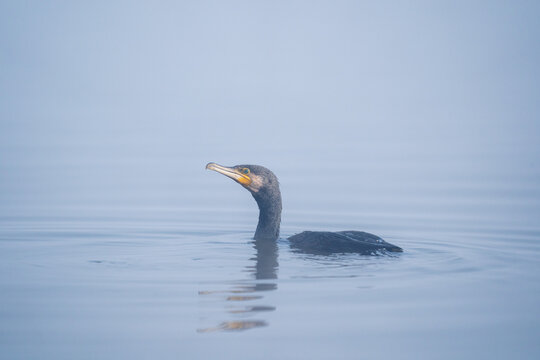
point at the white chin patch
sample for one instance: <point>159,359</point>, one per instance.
<point>256,183</point>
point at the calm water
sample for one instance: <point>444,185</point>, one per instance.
<point>144,280</point>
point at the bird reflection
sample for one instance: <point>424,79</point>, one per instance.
<point>266,264</point>
<point>264,268</point>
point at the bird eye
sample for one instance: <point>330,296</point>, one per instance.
<point>245,171</point>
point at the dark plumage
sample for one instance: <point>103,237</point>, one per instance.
<point>326,242</point>
<point>264,186</point>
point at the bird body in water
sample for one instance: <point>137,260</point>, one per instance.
<point>264,186</point>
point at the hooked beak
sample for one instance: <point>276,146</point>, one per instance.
<point>230,172</point>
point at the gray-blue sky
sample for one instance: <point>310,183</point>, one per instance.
<point>91,88</point>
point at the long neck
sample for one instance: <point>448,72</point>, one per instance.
<point>269,214</point>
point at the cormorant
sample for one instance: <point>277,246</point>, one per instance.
<point>264,186</point>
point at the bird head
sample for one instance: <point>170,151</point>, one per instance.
<point>254,178</point>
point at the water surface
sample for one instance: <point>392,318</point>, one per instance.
<point>174,282</point>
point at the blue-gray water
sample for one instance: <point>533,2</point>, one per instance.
<point>416,122</point>
<point>149,280</point>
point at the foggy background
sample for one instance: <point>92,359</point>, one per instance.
<point>377,107</point>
